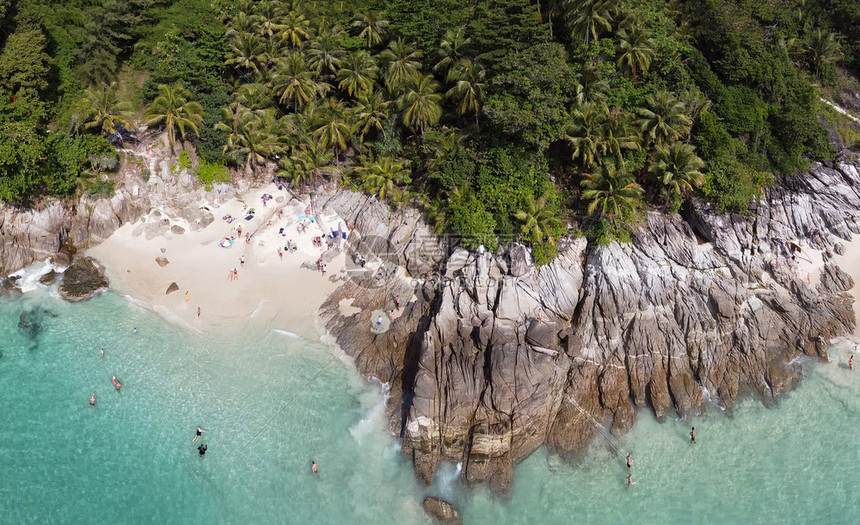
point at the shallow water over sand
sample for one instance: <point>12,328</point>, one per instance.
<point>272,402</point>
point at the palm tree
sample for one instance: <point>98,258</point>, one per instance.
<point>174,109</point>
<point>612,195</point>
<point>242,23</point>
<point>335,130</point>
<point>295,30</point>
<point>294,83</point>
<point>451,48</point>
<point>383,175</point>
<point>357,74</point>
<point>421,104</point>
<point>585,133</point>
<point>373,27</point>
<point>245,52</point>
<point>101,109</point>
<point>307,163</point>
<point>468,89</point>
<point>635,51</point>
<point>403,63</point>
<point>254,96</point>
<point>325,52</point>
<point>257,138</point>
<point>821,48</point>
<point>664,118</point>
<point>267,18</point>
<point>591,16</point>
<point>370,114</point>
<point>538,220</point>
<point>618,135</point>
<point>677,167</point>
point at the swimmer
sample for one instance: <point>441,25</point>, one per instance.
<point>629,461</point>
<point>630,481</point>
<point>314,467</point>
<point>92,400</point>
<point>851,363</point>
<point>113,380</point>
<point>103,352</point>
<point>693,435</point>
<point>200,431</point>
<point>202,449</point>
<point>118,386</point>
<point>134,330</point>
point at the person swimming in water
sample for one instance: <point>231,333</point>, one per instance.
<point>103,352</point>
<point>629,461</point>
<point>92,400</point>
<point>118,386</point>
<point>693,435</point>
<point>630,481</point>
<point>134,330</point>
<point>851,363</point>
<point>202,449</point>
<point>314,467</point>
<point>200,432</point>
<point>113,380</point>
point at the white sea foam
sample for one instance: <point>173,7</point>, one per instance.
<point>28,277</point>
<point>286,333</point>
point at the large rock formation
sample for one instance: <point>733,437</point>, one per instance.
<point>490,357</point>
<point>82,279</point>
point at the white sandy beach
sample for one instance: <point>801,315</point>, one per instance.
<point>850,264</point>
<point>268,286</point>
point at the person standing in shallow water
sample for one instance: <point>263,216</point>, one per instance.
<point>693,435</point>
<point>629,461</point>
<point>851,362</point>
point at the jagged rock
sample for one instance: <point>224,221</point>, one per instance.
<point>162,261</point>
<point>48,278</point>
<point>172,288</point>
<point>9,285</point>
<point>64,255</point>
<point>441,510</point>
<point>497,358</point>
<point>82,279</point>
<point>177,229</point>
<point>839,248</point>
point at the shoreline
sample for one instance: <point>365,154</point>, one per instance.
<point>281,289</point>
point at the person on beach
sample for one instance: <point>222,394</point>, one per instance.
<point>629,461</point>
<point>280,253</point>
<point>323,270</point>
<point>230,274</point>
<point>630,481</point>
<point>314,467</point>
<point>693,435</point>
<point>242,260</point>
<point>92,400</point>
<point>202,449</point>
<point>198,312</point>
<point>851,363</point>
<point>197,435</point>
<point>186,296</point>
<point>379,321</point>
<point>397,302</point>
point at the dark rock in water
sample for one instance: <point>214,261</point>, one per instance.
<point>82,279</point>
<point>9,285</point>
<point>29,324</point>
<point>441,510</point>
<point>162,261</point>
<point>49,278</point>
<point>172,288</point>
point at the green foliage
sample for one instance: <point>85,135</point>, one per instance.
<point>476,226</point>
<point>210,174</point>
<point>183,162</point>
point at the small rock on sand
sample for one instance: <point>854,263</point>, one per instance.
<point>172,288</point>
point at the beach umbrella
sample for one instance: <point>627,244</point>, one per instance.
<point>226,242</point>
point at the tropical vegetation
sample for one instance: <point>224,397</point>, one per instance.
<point>501,119</point>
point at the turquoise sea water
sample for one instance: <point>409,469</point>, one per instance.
<point>272,403</point>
